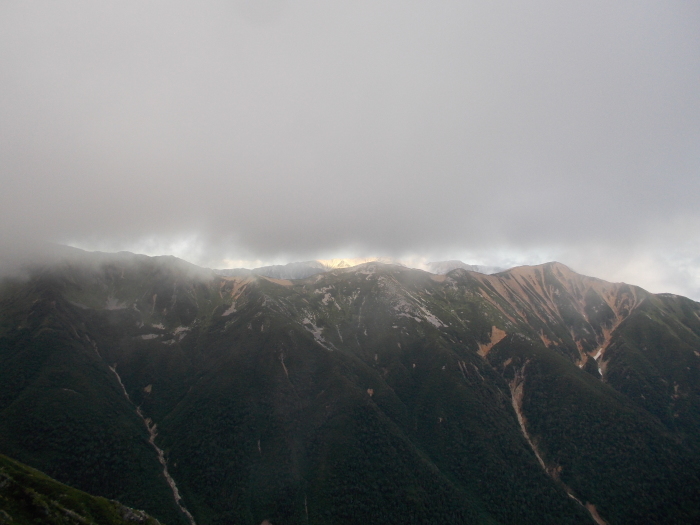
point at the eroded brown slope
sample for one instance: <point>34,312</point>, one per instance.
<point>570,312</point>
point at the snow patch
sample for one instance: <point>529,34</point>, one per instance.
<point>317,332</point>
<point>417,319</point>
<point>230,310</point>
<point>431,318</point>
<point>181,331</point>
<point>114,304</point>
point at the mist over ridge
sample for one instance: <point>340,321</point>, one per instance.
<point>385,262</point>
<point>278,132</point>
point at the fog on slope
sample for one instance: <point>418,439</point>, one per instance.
<point>271,131</point>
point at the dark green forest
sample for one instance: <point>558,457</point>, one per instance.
<point>374,394</point>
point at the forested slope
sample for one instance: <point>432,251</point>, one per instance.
<point>368,394</point>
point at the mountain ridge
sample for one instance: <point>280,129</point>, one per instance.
<point>568,397</point>
<point>304,269</point>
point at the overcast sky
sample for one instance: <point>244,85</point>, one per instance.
<point>246,132</point>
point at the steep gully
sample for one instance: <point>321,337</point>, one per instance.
<point>517,386</point>
<point>517,390</point>
<point>152,433</point>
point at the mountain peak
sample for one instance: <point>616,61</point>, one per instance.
<point>443,267</point>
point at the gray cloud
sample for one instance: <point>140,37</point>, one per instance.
<point>272,130</point>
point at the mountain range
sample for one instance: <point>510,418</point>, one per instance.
<point>372,393</point>
<point>302,270</point>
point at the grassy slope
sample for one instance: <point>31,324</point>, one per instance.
<point>28,496</point>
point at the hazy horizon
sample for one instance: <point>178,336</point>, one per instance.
<point>266,131</point>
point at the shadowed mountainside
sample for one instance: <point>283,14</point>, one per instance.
<point>375,393</point>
